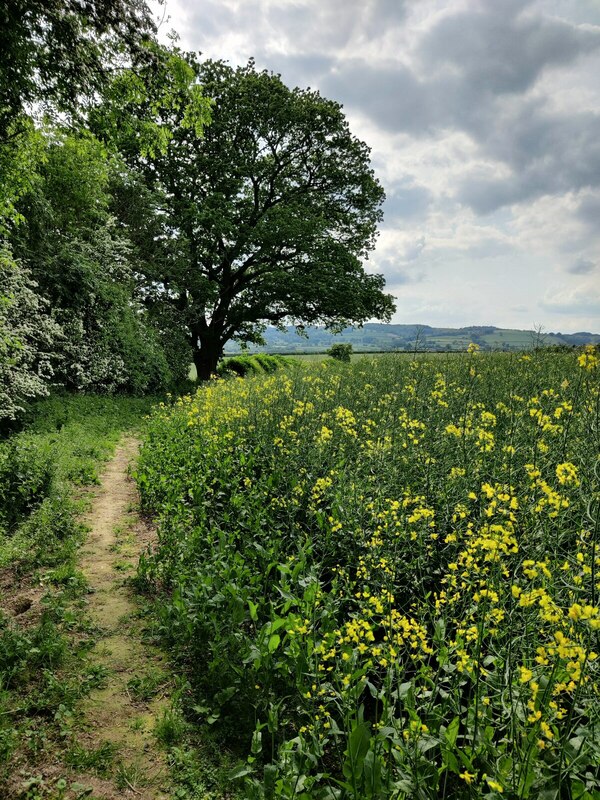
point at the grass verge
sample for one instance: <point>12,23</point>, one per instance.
<point>46,470</point>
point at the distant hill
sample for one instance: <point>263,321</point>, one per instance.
<point>378,337</point>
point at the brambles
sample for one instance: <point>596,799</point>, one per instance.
<point>383,577</point>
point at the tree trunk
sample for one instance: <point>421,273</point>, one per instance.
<point>206,357</point>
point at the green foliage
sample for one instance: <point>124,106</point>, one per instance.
<point>268,224</point>
<point>164,327</point>
<point>96,759</point>
<point>26,475</point>
<point>23,654</point>
<point>379,581</point>
<point>140,104</point>
<point>112,349</point>
<point>64,440</point>
<point>170,727</point>
<point>240,365</point>
<point>341,352</point>
<point>20,158</point>
<point>250,365</point>
<point>146,687</point>
<point>43,674</point>
<point>29,339</point>
<point>82,262</point>
<point>56,54</point>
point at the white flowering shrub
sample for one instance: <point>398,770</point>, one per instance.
<point>113,351</point>
<point>29,339</point>
<point>87,362</point>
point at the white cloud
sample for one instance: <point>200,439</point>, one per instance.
<point>483,119</point>
<point>579,303</point>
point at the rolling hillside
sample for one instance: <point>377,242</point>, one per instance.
<point>376,337</point>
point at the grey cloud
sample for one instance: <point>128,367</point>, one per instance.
<point>490,247</point>
<point>317,25</point>
<point>391,95</point>
<point>548,154</point>
<point>211,19</point>
<point>580,11</point>
<point>399,277</point>
<point>413,250</point>
<point>323,27</point>
<point>581,301</point>
<point>383,14</point>
<point>301,70</point>
<point>470,61</point>
<point>582,267</point>
<point>397,270</point>
<point>589,210</point>
<point>487,195</point>
<point>473,72</point>
<point>395,275</point>
<point>498,49</point>
<point>479,65</point>
<point>405,201</point>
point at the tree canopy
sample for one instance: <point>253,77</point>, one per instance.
<point>69,312</point>
<point>56,53</point>
<point>265,217</point>
<point>80,260</point>
<point>154,206</point>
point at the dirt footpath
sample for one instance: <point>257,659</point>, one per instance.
<point>121,717</point>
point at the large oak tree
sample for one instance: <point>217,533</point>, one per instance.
<point>264,217</point>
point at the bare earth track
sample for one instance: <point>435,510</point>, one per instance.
<point>116,715</point>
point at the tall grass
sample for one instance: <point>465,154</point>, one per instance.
<point>43,670</point>
<point>62,446</point>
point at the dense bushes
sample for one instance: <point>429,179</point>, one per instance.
<point>341,352</point>
<point>26,474</point>
<point>69,314</point>
<point>251,365</point>
<point>115,351</point>
<point>29,339</point>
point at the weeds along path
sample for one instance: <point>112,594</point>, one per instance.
<point>119,718</point>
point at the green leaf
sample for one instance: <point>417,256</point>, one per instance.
<point>372,766</point>
<point>358,746</point>
<point>240,772</point>
<point>274,641</point>
<point>404,689</point>
<point>449,762</point>
<point>277,623</point>
<point>451,732</point>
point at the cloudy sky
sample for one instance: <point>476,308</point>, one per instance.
<point>484,121</point>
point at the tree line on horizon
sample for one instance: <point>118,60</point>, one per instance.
<point>154,206</point>
<point>395,337</point>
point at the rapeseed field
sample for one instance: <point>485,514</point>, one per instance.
<point>381,580</point>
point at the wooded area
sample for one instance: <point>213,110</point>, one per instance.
<point>154,206</point>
